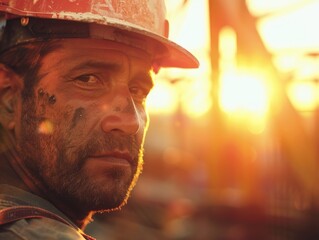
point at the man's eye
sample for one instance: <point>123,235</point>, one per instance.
<point>139,93</point>
<point>87,79</point>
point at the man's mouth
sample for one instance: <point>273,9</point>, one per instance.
<point>115,158</point>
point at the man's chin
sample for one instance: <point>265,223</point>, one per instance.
<point>106,202</point>
<point>109,206</point>
<point>107,194</point>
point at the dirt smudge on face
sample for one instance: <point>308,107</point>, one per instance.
<point>77,116</point>
<point>52,99</point>
<point>44,98</point>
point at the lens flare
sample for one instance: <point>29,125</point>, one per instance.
<point>46,127</point>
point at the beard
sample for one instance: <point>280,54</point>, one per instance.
<point>59,161</point>
<point>108,189</point>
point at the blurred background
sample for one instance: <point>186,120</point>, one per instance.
<point>232,148</point>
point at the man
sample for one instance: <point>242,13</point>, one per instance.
<point>74,76</point>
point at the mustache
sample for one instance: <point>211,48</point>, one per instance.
<point>109,142</point>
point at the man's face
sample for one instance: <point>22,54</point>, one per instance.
<point>82,134</point>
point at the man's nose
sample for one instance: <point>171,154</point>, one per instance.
<point>122,116</point>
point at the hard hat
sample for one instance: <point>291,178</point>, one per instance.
<point>139,23</point>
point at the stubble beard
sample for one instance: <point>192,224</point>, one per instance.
<point>57,163</point>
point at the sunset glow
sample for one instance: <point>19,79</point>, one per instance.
<point>192,92</point>
<point>243,92</point>
<point>303,95</point>
<point>162,99</point>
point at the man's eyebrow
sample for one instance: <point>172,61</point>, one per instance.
<point>89,64</point>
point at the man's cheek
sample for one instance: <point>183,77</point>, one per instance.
<point>72,123</point>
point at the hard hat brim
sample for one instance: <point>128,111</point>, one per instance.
<point>174,56</point>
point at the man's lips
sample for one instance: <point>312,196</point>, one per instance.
<point>116,158</point>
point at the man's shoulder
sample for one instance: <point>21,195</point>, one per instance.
<point>38,228</point>
<point>34,228</point>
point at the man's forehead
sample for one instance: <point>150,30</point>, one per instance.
<point>73,53</point>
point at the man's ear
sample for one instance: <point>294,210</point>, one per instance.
<point>10,88</point>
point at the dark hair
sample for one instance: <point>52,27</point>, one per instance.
<point>26,59</point>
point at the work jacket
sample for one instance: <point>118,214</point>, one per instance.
<point>34,227</point>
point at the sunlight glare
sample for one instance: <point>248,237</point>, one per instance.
<point>303,95</point>
<point>259,7</point>
<point>286,63</point>
<point>162,99</point>
<point>46,127</point>
<point>243,92</point>
<point>197,101</point>
<point>189,24</point>
<point>187,89</point>
<point>280,35</point>
<point>227,43</point>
